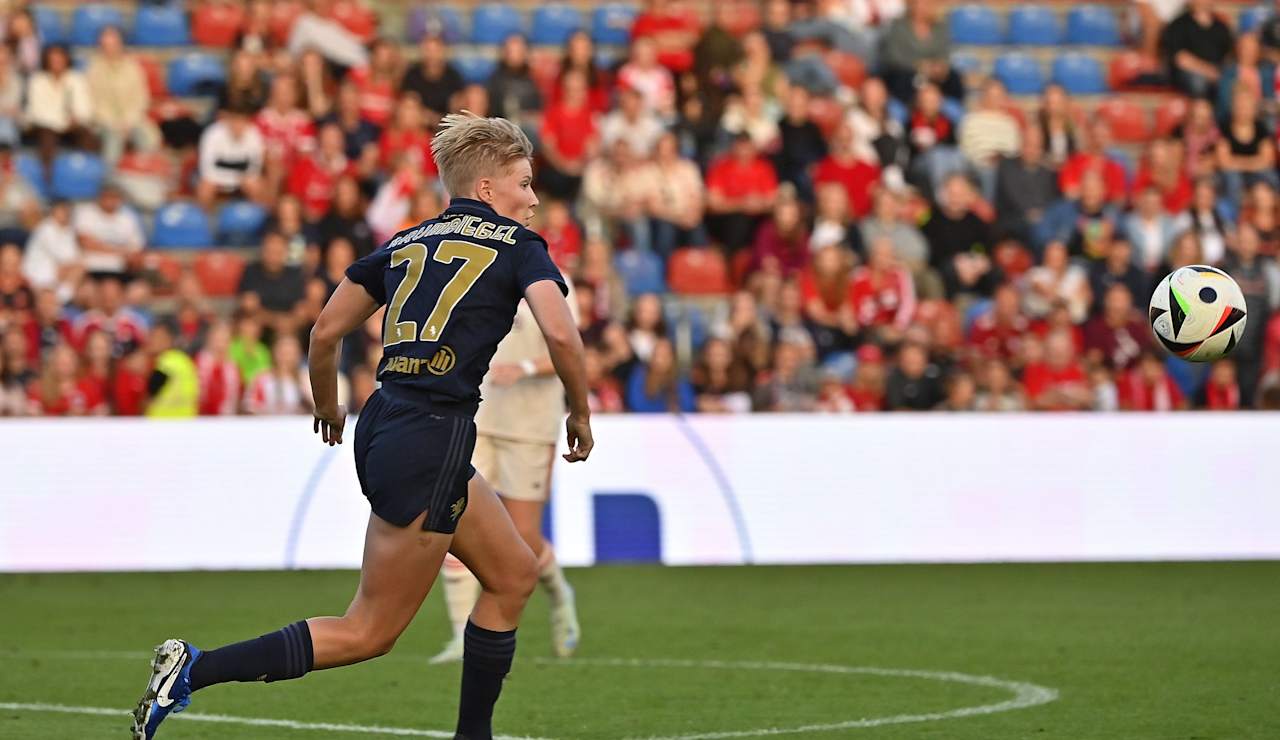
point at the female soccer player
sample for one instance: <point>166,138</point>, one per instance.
<point>450,287</point>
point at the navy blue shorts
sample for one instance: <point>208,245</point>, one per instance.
<point>410,460</point>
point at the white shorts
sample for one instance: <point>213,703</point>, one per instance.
<point>520,471</point>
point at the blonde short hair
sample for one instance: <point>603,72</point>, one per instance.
<point>467,147</point>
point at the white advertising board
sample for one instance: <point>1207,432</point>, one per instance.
<point>125,494</point>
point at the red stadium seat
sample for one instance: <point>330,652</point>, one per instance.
<point>155,77</point>
<point>356,18</point>
<point>1128,66</point>
<point>1129,121</point>
<point>849,69</point>
<point>283,14</point>
<point>1169,114</point>
<point>740,267</point>
<point>217,25</point>
<point>166,267</point>
<point>219,272</point>
<point>698,271</point>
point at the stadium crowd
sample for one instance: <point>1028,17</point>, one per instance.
<point>844,223</point>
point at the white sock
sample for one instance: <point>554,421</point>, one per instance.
<point>550,575</point>
<point>461,590</point>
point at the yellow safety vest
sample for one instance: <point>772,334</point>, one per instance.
<point>179,398</point>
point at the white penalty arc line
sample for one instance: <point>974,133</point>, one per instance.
<point>1025,696</point>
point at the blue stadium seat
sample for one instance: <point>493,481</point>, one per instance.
<point>953,109</point>
<point>1251,18</point>
<point>1093,25</point>
<point>640,271</point>
<point>77,176</point>
<point>966,62</point>
<point>611,24</point>
<point>492,23</point>
<point>475,68</point>
<point>30,169</point>
<point>181,226</point>
<point>1020,73</point>
<point>976,24</point>
<point>554,24</point>
<point>437,20</point>
<point>1079,74</point>
<point>195,73</point>
<point>898,111</point>
<point>157,25</point>
<point>49,25</point>
<point>1034,25</point>
<point>240,223</point>
<point>88,21</point>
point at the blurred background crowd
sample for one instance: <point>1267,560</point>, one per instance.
<point>810,205</point>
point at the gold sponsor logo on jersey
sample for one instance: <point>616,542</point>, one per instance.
<point>458,507</point>
<point>439,364</point>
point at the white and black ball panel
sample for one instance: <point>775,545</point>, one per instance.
<point>1198,313</point>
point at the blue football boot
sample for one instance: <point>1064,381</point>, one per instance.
<point>169,689</point>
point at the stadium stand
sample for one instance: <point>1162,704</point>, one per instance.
<point>978,188</point>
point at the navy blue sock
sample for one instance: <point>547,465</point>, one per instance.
<point>277,656</point>
<point>486,660</point>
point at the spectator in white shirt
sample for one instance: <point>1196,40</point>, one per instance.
<point>59,108</point>
<point>52,258</point>
<point>231,159</point>
<point>632,123</point>
<point>118,87</point>
<point>653,81</point>
<point>110,234</point>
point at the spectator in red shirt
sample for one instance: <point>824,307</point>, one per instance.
<point>1222,392</point>
<point>604,395</point>
<point>60,391</point>
<point>287,130</point>
<point>998,333</point>
<point>884,297</point>
<point>741,187</point>
<point>867,388</point>
<point>126,327</point>
<point>47,326</point>
<point>843,165</point>
<point>218,374</point>
<point>378,82</point>
<point>569,138</point>
<point>97,373</point>
<point>408,137</point>
<point>1119,336</point>
<point>314,179</point>
<point>580,58</point>
<point>1093,157</point>
<point>129,385</point>
<point>1058,382</point>
<point>827,292</point>
<point>1148,387</point>
<point>1163,168</point>
<point>782,243</point>
<point>928,126</point>
<point>564,238</point>
<point>674,29</point>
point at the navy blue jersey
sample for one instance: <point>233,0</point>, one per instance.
<point>451,286</point>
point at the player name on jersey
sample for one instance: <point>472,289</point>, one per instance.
<point>465,225</point>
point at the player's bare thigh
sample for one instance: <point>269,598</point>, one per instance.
<point>488,543</point>
<point>400,566</point>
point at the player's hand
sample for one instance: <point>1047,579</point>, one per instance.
<point>578,432</point>
<point>505,374</point>
<point>329,426</point>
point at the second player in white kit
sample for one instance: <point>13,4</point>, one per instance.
<point>517,426</point>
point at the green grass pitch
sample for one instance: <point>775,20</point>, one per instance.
<point>1135,652</point>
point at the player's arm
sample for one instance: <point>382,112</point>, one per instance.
<point>551,311</point>
<point>348,307</point>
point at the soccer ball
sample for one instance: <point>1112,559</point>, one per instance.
<point>1198,313</point>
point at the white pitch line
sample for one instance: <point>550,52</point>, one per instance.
<point>250,721</point>
<point>1025,696</point>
